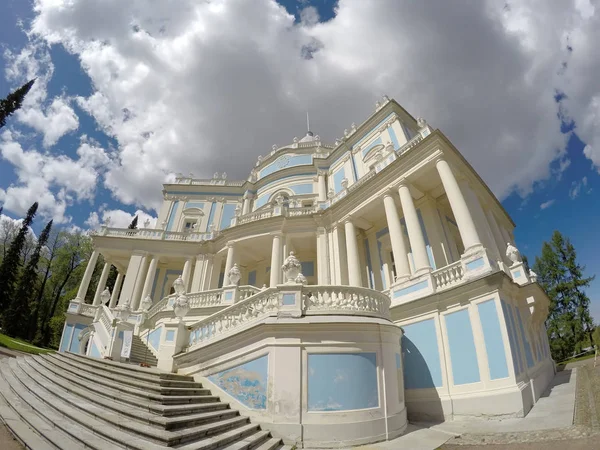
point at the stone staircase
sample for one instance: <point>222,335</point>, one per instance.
<point>68,401</point>
<point>141,353</point>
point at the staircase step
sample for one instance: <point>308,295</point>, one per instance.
<point>125,380</point>
<point>22,420</point>
<point>218,442</point>
<point>273,444</point>
<point>30,365</point>
<point>139,389</point>
<point>73,429</point>
<point>130,400</point>
<point>89,416</point>
<point>119,365</point>
<point>98,364</point>
<point>251,441</point>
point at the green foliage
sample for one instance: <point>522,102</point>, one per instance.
<point>13,101</point>
<point>569,322</point>
<point>16,318</point>
<point>133,224</point>
<point>21,346</point>
<point>11,264</point>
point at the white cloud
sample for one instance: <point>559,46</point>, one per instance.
<point>547,204</point>
<point>119,218</point>
<point>576,187</point>
<point>208,86</point>
<point>55,182</point>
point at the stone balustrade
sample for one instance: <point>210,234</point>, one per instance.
<point>316,300</point>
<point>148,233</point>
<point>87,310</point>
<point>448,276</point>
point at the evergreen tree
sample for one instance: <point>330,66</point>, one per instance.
<point>13,101</point>
<point>569,323</point>
<point>133,224</point>
<point>17,318</point>
<point>9,268</point>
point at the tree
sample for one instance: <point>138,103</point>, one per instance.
<point>9,268</point>
<point>47,259</point>
<point>67,272</point>
<point>16,319</point>
<point>13,101</point>
<point>133,224</point>
<point>569,322</point>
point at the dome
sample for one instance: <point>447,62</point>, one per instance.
<point>309,137</point>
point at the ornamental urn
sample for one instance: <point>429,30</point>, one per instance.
<point>181,306</point>
<point>179,285</point>
<point>291,268</point>
<point>234,275</point>
<point>301,279</point>
<point>146,303</point>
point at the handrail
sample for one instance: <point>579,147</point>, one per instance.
<point>448,276</point>
<point>316,300</point>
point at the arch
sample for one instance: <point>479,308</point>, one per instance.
<point>285,192</point>
<point>85,338</point>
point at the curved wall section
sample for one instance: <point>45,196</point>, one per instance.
<point>319,381</point>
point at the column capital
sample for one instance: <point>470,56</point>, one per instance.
<point>276,233</point>
<point>230,244</point>
<point>389,192</point>
<point>402,183</point>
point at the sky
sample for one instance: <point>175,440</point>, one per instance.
<point>130,93</point>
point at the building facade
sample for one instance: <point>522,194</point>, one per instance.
<point>335,293</point>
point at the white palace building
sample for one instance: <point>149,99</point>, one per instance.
<point>333,295</point>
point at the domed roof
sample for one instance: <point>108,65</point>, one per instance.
<point>309,137</point>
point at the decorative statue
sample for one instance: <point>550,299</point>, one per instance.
<point>421,123</point>
<point>238,210</point>
<point>389,148</point>
<point>295,140</point>
<point>345,183</point>
<point>377,105</point>
<point>181,306</point>
<point>279,200</point>
<point>179,285</point>
<point>330,193</point>
<point>107,221</point>
<point>224,176</point>
<point>234,275</point>
<point>386,99</point>
<point>146,303</point>
<point>318,139</point>
<point>123,311</point>
<point>264,286</point>
<point>147,223</point>
<point>353,127</point>
<point>532,276</point>
<point>274,147</point>
<point>301,279</point>
<point>216,175</point>
<point>513,253</point>
<point>291,268</point>
<point>346,132</point>
<point>337,142</point>
<point>163,225</point>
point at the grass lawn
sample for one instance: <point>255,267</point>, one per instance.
<point>588,356</point>
<point>21,346</point>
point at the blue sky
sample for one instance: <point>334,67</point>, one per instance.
<point>144,111</point>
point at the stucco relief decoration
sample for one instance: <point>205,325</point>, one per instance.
<point>282,162</point>
<point>513,254</point>
<point>291,268</point>
<point>234,274</point>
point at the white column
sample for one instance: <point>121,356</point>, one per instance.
<point>229,263</point>
<point>206,273</point>
<point>198,275</point>
<point>415,235</point>
<point>466,226</point>
<point>215,273</point>
<point>87,276</point>
<point>246,205</point>
<point>500,241</point>
<point>396,236</point>
<point>149,278</point>
<point>101,283</point>
<point>321,187</point>
<point>322,257</point>
<point>115,293</point>
<point>185,275</point>
<point>276,261</point>
<point>354,272</point>
<point>139,284</point>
